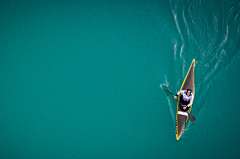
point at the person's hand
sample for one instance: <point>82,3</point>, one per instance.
<point>175,97</point>
<point>184,107</point>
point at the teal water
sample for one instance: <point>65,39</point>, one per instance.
<point>83,79</point>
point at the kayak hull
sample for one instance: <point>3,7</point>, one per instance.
<point>188,83</point>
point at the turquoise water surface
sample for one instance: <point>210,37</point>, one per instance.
<point>84,79</point>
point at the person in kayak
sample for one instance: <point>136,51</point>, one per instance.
<point>186,99</point>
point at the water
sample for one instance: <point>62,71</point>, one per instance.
<point>83,79</point>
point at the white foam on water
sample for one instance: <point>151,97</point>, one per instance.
<point>161,86</point>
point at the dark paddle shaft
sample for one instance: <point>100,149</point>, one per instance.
<point>169,90</point>
<point>191,117</point>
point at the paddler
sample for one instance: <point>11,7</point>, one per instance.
<point>186,99</point>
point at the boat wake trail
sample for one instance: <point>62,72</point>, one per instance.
<point>217,37</point>
<point>223,37</point>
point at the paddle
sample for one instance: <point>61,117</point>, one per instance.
<point>191,117</point>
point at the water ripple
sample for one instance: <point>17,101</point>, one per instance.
<point>215,31</point>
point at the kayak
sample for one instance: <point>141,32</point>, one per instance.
<point>182,117</point>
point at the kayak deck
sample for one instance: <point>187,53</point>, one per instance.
<point>188,83</point>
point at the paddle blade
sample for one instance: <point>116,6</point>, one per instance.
<point>191,117</point>
<point>168,90</point>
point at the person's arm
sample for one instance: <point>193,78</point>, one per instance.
<point>179,92</point>
<point>191,101</point>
